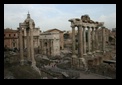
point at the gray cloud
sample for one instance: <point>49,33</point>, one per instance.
<point>49,16</point>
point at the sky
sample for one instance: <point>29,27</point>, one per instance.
<point>50,16</point>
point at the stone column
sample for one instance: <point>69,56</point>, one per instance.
<point>74,57</point>
<point>103,39</point>
<point>96,39</point>
<point>73,42</point>
<point>93,40</point>
<point>80,45</point>
<point>84,41</point>
<point>80,42</point>
<point>28,45</point>
<point>32,48</point>
<point>89,40</point>
<point>21,46</point>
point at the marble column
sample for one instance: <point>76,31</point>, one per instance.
<point>82,61</point>
<point>103,39</point>
<point>21,46</point>
<point>84,41</point>
<point>80,41</point>
<point>89,40</point>
<point>28,45</point>
<point>80,46</point>
<point>96,39</point>
<point>32,48</point>
<point>73,42</point>
<point>74,57</point>
<point>93,51</point>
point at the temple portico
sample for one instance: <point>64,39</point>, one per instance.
<point>84,24</point>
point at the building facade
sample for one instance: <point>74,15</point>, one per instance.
<point>61,36</point>
<point>49,44</point>
<point>11,38</point>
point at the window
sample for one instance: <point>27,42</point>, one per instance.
<point>4,35</point>
<point>9,35</point>
<point>14,34</point>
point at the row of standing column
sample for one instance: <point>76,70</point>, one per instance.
<point>30,49</point>
<point>82,40</point>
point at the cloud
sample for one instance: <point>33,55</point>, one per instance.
<point>48,16</point>
<point>109,20</point>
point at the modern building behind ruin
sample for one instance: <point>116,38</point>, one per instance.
<point>50,44</point>
<point>10,38</point>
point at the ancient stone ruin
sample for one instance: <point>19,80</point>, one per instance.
<point>29,25</point>
<point>82,24</point>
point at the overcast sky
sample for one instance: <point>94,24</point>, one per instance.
<point>49,16</point>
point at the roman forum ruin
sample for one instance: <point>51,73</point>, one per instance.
<point>83,57</point>
<point>50,44</point>
<point>29,26</point>
<point>88,47</point>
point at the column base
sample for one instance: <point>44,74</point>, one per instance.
<point>82,63</point>
<point>33,63</point>
<point>37,69</point>
<point>21,62</point>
